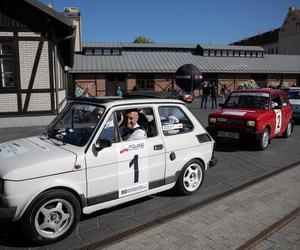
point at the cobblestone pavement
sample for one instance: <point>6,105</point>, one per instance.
<point>231,221</point>
<point>237,165</point>
<point>286,238</point>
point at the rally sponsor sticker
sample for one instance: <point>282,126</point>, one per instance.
<point>37,144</point>
<point>238,113</point>
<point>133,167</point>
<point>133,189</point>
<point>8,150</point>
<point>172,126</point>
<point>250,94</point>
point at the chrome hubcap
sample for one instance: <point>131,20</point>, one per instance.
<point>192,177</point>
<point>54,218</point>
<point>265,139</point>
<point>289,129</point>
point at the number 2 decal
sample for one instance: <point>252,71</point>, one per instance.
<point>278,123</point>
<point>135,164</point>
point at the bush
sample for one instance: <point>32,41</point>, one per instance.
<point>251,84</point>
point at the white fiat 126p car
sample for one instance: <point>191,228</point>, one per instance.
<point>98,153</point>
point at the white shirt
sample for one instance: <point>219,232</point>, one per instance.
<point>136,135</point>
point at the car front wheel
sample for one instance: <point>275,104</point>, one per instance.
<point>264,140</point>
<point>51,216</point>
<point>190,178</point>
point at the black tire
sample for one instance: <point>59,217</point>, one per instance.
<point>46,212</point>
<point>190,178</point>
<point>287,133</point>
<point>264,140</point>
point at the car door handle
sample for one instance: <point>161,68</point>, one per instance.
<point>158,147</point>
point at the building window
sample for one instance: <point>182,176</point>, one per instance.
<point>253,54</point>
<point>145,84</point>
<point>212,53</point>
<point>248,54</point>
<point>89,51</point>
<point>260,54</point>
<point>224,53</point>
<point>218,53</point>
<point>116,52</point>
<point>205,53</point>
<point>242,53</point>
<point>276,50</point>
<point>230,53</point>
<point>236,53</point>
<point>6,65</point>
<point>98,51</point>
<point>106,52</point>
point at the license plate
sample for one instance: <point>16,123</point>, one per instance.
<point>226,134</point>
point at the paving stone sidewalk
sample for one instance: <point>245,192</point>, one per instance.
<point>231,221</point>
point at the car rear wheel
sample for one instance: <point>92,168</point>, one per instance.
<point>51,216</point>
<point>190,178</point>
<point>288,130</point>
<point>264,140</point>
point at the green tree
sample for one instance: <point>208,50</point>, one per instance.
<point>142,39</point>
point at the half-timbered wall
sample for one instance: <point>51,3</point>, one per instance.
<point>39,76</point>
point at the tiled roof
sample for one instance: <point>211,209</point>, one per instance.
<point>169,62</point>
<point>260,39</point>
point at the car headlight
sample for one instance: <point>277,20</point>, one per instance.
<point>1,186</point>
<point>251,123</point>
<point>212,119</point>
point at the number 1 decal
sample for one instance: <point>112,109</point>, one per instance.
<point>135,164</point>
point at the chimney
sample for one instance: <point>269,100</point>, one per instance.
<point>50,5</point>
<point>291,8</point>
<point>73,14</point>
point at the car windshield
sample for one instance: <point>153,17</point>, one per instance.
<point>253,100</point>
<point>75,124</point>
<point>294,94</point>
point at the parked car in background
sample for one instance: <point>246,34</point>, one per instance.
<point>85,161</point>
<point>294,98</point>
<point>253,116</point>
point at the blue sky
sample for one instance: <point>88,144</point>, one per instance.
<point>177,21</point>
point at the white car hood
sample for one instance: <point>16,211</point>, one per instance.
<point>32,157</point>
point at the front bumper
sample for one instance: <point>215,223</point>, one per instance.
<point>7,214</point>
<point>252,137</point>
<point>212,162</point>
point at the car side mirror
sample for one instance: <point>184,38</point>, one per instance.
<point>102,143</point>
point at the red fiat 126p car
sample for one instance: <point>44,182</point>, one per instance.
<point>253,116</point>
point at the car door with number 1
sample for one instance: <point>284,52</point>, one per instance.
<point>125,168</point>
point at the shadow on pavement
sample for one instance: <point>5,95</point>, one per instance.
<point>11,235</point>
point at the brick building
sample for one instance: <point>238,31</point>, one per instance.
<point>102,67</point>
<point>36,45</point>
<point>283,40</point>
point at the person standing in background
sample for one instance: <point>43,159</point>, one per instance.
<point>213,94</point>
<point>119,91</point>
<point>205,94</point>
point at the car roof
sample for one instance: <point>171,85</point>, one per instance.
<point>113,101</point>
<point>263,90</point>
<point>294,88</point>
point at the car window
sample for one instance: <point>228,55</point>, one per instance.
<point>253,100</point>
<point>76,123</point>
<point>283,100</point>
<point>136,123</point>
<point>174,120</point>
<point>110,132</point>
<point>276,101</point>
